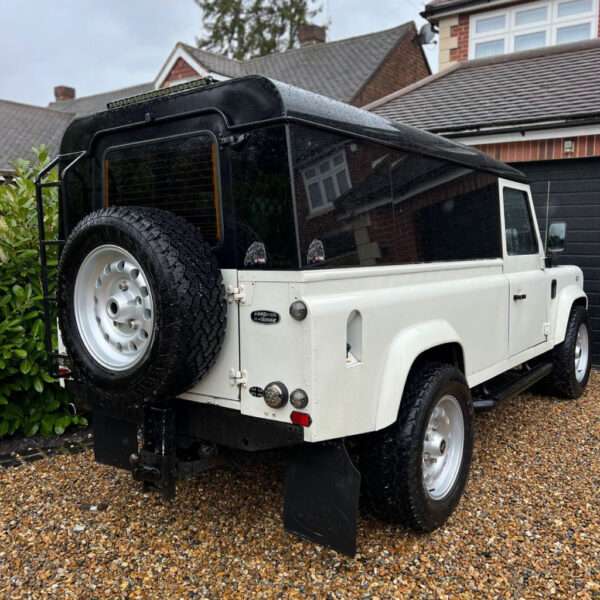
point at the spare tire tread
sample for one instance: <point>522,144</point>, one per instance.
<point>188,292</point>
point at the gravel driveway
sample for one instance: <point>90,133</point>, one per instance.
<point>528,527</point>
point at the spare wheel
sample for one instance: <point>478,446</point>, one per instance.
<point>142,305</point>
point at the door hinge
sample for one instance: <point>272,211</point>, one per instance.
<point>238,378</point>
<point>236,294</point>
<point>547,330</point>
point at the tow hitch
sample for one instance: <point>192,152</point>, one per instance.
<point>322,485</point>
<point>156,462</point>
<point>150,452</point>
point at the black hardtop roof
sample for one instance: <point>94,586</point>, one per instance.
<point>255,101</point>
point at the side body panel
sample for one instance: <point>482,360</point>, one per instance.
<point>403,312</point>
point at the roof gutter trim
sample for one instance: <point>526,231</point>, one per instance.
<point>433,13</point>
<point>512,126</point>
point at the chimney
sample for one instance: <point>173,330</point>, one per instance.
<point>63,92</point>
<point>309,34</point>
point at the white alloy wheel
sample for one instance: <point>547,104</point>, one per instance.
<point>443,447</point>
<point>114,308</point>
<point>582,352</point>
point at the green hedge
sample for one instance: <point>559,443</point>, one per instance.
<point>31,401</point>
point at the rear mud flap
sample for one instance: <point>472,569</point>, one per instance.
<point>115,440</point>
<point>322,491</point>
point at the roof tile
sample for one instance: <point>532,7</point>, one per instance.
<point>23,126</point>
<point>543,85</point>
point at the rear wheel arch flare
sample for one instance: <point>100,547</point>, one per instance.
<point>451,353</point>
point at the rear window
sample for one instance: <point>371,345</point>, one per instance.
<point>179,175</point>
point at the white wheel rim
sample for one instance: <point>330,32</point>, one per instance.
<point>114,309</point>
<point>582,352</point>
<point>443,447</point>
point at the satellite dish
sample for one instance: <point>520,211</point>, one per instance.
<point>427,34</point>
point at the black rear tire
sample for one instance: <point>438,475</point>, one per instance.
<point>391,460</point>
<point>564,381</point>
<point>187,290</point>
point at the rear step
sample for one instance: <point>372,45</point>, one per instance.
<point>508,385</point>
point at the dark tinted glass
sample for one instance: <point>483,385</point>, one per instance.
<point>179,175</point>
<point>362,204</point>
<point>520,233</point>
<point>263,219</point>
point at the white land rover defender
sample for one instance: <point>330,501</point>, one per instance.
<point>248,265</point>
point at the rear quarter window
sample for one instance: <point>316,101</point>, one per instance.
<point>363,204</point>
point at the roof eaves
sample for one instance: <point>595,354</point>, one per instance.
<point>413,86</point>
<point>522,124</point>
<point>435,10</point>
<point>183,49</point>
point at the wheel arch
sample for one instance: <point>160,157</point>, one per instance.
<point>570,296</point>
<point>433,341</point>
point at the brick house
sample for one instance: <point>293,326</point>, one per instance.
<point>356,70</point>
<point>521,81</point>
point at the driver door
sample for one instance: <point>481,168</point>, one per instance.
<point>525,269</point>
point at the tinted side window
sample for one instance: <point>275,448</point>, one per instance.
<point>263,219</point>
<point>520,232</point>
<point>363,204</point>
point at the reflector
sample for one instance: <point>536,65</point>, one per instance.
<point>302,419</point>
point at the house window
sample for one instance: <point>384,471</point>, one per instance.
<point>326,181</point>
<point>533,25</point>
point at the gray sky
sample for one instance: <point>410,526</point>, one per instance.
<point>100,45</point>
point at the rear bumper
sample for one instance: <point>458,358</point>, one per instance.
<point>116,431</point>
<point>229,428</point>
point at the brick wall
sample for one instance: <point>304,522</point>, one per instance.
<point>461,33</point>
<point>404,65</point>
<point>181,70</point>
<point>583,147</point>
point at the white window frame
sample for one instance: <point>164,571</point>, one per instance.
<point>320,178</point>
<point>550,26</point>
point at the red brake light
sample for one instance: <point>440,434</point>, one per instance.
<point>302,419</point>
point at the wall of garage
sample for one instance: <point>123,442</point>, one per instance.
<point>569,190</point>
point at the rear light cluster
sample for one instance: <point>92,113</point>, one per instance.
<point>276,396</point>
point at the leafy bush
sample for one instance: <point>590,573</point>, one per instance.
<point>31,401</point>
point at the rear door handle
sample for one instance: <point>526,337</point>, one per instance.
<point>518,297</point>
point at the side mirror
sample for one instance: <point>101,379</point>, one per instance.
<point>557,234</point>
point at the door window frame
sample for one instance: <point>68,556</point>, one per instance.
<point>519,260</point>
